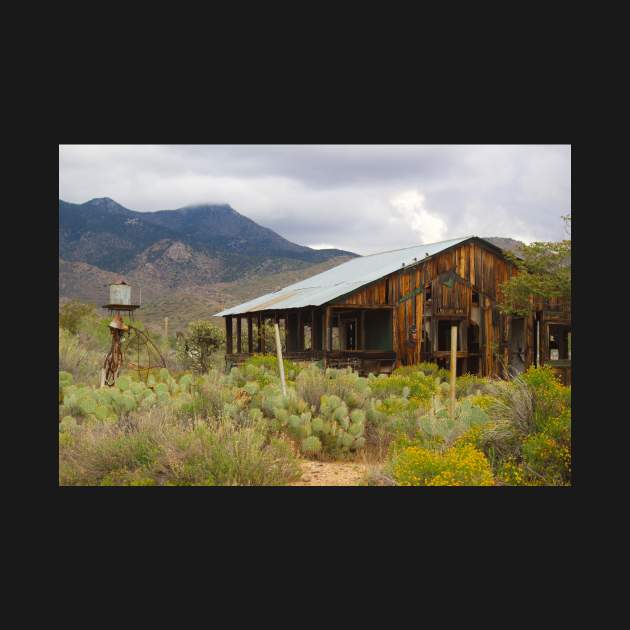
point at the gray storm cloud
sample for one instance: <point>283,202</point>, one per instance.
<point>357,197</point>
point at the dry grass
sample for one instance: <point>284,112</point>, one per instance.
<point>155,448</point>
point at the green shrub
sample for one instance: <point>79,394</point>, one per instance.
<point>74,358</point>
<point>549,396</point>
<point>547,455</point>
<point>72,313</point>
<point>270,363</point>
<point>415,385</point>
<point>458,466</point>
<point>311,386</point>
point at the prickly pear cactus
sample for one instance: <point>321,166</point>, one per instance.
<point>347,440</point>
<point>102,412</point>
<point>161,388</point>
<point>87,404</point>
<point>185,383</point>
<point>357,415</point>
<point>68,424</point>
<point>311,445</point>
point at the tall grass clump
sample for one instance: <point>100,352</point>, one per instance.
<point>75,358</point>
<point>155,448</point>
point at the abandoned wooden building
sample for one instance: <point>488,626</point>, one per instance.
<point>396,308</point>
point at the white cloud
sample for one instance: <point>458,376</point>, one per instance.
<point>362,198</point>
<point>409,208</point>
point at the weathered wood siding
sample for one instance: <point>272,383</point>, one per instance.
<point>479,268</point>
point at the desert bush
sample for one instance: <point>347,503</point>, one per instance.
<point>513,405</point>
<point>211,395</point>
<point>549,396</point>
<point>430,369</point>
<point>157,449</point>
<point>198,344</point>
<point>84,365</point>
<point>270,362</point>
<point>378,475</point>
<point>470,384</point>
<point>528,441</point>
<point>73,312</point>
<point>483,401</point>
<point>461,465</point>
<point>311,385</point>
<point>547,455</point>
<point>407,384</point>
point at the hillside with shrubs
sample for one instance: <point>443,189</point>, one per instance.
<point>200,423</point>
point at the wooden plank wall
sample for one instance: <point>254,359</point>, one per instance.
<point>481,268</point>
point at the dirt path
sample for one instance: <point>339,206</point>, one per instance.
<point>330,474</point>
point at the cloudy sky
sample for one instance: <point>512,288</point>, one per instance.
<point>362,198</point>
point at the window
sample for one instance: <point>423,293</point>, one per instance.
<point>444,333</point>
<point>427,293</point>
<point>475,298</point>
<point>559,342</point>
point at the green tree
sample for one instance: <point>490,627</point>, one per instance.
<point>544,271</point>
<point>72,313</point>
<point>197,344</point>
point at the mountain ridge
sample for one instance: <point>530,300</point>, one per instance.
<point>187,261</point>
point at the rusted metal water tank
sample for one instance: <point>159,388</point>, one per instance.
<point>120,293</point>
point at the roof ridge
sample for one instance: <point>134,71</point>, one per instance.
<point>401,249</point>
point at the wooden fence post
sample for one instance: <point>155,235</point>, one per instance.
<point>279,353</point>
<point>453,367</point>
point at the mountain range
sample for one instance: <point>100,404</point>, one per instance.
<point>188,262</point>
<point>210,254</point>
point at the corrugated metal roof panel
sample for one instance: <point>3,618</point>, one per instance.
<point>344,278</point>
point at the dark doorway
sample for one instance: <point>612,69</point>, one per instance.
<point>444,333</point>
<point>517,346</point>
<point>559,342</point>
<point>473,347</point>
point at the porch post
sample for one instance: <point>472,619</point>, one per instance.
<point>250,335</point>
<point>228,334</point>
<point>239,346</point>
<point>262,334</point>
<point>300,332</point>
<point>259,333</point>
<point>326,337</point>
<point>363,330</point>
<point>313,332</point>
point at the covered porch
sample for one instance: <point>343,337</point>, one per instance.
<point>339,335</point>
